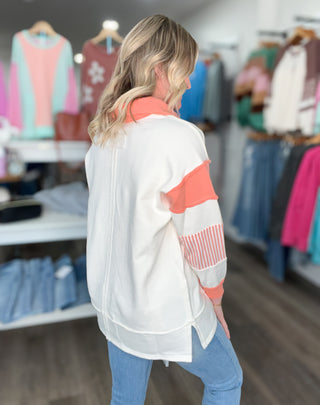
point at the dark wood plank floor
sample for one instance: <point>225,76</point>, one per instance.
<point>275,329</point>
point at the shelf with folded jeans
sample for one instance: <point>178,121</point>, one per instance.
<point>49,150</point>
<point>41,291</point>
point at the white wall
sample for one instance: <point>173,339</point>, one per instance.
<point>288,9</point>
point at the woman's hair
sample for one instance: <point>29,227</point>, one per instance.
<point>155,40</point>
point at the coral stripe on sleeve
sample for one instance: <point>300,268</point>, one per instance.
<point>215,292</point>
<point>195,188</point>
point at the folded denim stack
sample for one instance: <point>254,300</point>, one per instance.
<point>30,287</point>
<point>80,269</point>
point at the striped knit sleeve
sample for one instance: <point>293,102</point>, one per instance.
<point>197,218</point>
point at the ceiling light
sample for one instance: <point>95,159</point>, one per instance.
<point>110,25</point>
<point>78,58</point>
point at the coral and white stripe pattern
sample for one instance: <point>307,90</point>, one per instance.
<point>197,218</point>
<point>206,248</point>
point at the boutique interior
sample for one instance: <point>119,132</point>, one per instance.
<point>255,94</point>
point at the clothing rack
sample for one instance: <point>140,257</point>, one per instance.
<point>304,19</point>
<point>263,136</point>
<point>216,45</point>
<point>272,33</point>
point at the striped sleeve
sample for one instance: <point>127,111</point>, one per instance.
<point>197,218</point>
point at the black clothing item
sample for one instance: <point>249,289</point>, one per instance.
<point>283,191</point>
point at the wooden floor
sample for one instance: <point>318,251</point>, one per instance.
<point>275,329</point>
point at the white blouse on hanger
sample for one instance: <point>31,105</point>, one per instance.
<point>282,111</point>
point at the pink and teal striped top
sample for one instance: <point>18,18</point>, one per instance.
<point>42,83</point>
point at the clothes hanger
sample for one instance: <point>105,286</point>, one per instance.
<point>107,33</point>
<point>300,34</point>
<point>296,139</point>
<point>215,56</point>
<point>263,136</point>
<point>42,27</point>
<point>269,44</point>
<point>314,140</point>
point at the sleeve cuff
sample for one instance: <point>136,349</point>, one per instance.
<point>215,292</point>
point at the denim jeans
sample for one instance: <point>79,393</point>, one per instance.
<point>217,366</point>
<point>80,270</point>
<point>263,163</point>
<point>29,283</point>
<point>43,300</point>
<point>64,283</point>
<point>10,282</point>
<point>36,287</point>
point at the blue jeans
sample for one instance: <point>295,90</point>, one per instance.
<point>10,281</point>
<point>263,163</point>
<point>217,366</point>
<point>65,285</point>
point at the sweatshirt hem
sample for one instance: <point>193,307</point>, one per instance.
<point>170,346</point>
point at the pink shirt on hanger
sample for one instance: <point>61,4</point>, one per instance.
<point>298,219</point>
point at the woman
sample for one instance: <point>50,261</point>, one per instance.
<point>155,251</point>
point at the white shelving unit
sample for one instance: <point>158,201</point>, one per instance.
<point>46,151</point>
<point>50,226</point>
<point>81,311</point>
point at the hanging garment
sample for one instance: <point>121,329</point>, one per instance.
<point>96,72</point>
<point>252,85</point>
<point>282,112</point>
<point>3,93</point>
<point>292,107</point>
<point>316,126</point>
<point>298,218</point>
<point>42,83</point>
<point>314,245</point>
<point>214,109</point>
<point>277,254</point>
<point>282,194</point>
<point>263,163</point>
<point>308,102</point>
<point>193,99</point>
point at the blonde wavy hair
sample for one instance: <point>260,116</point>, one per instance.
<point>155,40</point>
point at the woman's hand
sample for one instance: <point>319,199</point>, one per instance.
<point>219,313</point>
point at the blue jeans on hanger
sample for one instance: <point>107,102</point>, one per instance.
<point>217,366</point>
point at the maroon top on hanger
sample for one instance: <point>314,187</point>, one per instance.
<point>96,71</point>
